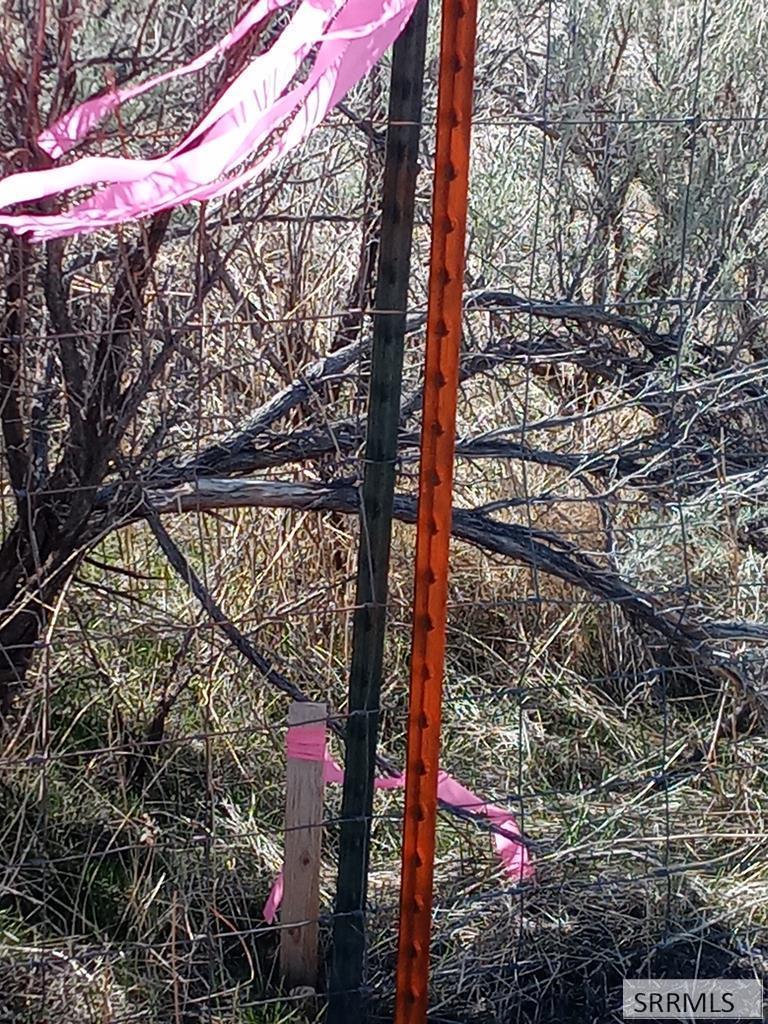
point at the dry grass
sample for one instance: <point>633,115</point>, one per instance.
<point>159,890</point>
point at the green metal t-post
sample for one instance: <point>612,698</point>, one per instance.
<point>347,1004</point>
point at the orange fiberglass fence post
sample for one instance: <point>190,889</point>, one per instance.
<point>441,380</point>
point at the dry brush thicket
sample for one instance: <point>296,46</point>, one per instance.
<point>183,406</point>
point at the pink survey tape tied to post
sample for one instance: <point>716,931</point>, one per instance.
<point>233,143</point>
<point>307,743</point>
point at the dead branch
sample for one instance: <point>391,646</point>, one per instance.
<point>534,548</point>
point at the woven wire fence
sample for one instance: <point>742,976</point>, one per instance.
<point>183,410</point>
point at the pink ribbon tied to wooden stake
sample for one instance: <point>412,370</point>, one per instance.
<point>307,743</point>
<point>347,37</point>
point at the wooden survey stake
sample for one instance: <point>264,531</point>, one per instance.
<point>303,846</point>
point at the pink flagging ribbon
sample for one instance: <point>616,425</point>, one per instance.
<point>307,743</point>
<point>74,126</point>
<point>352,35</point>
<point>274,899</point>
<point>247,113</point>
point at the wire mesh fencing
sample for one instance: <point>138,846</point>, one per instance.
<point>183,408</point>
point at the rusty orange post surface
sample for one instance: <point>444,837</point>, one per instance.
<point>438,435</point>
